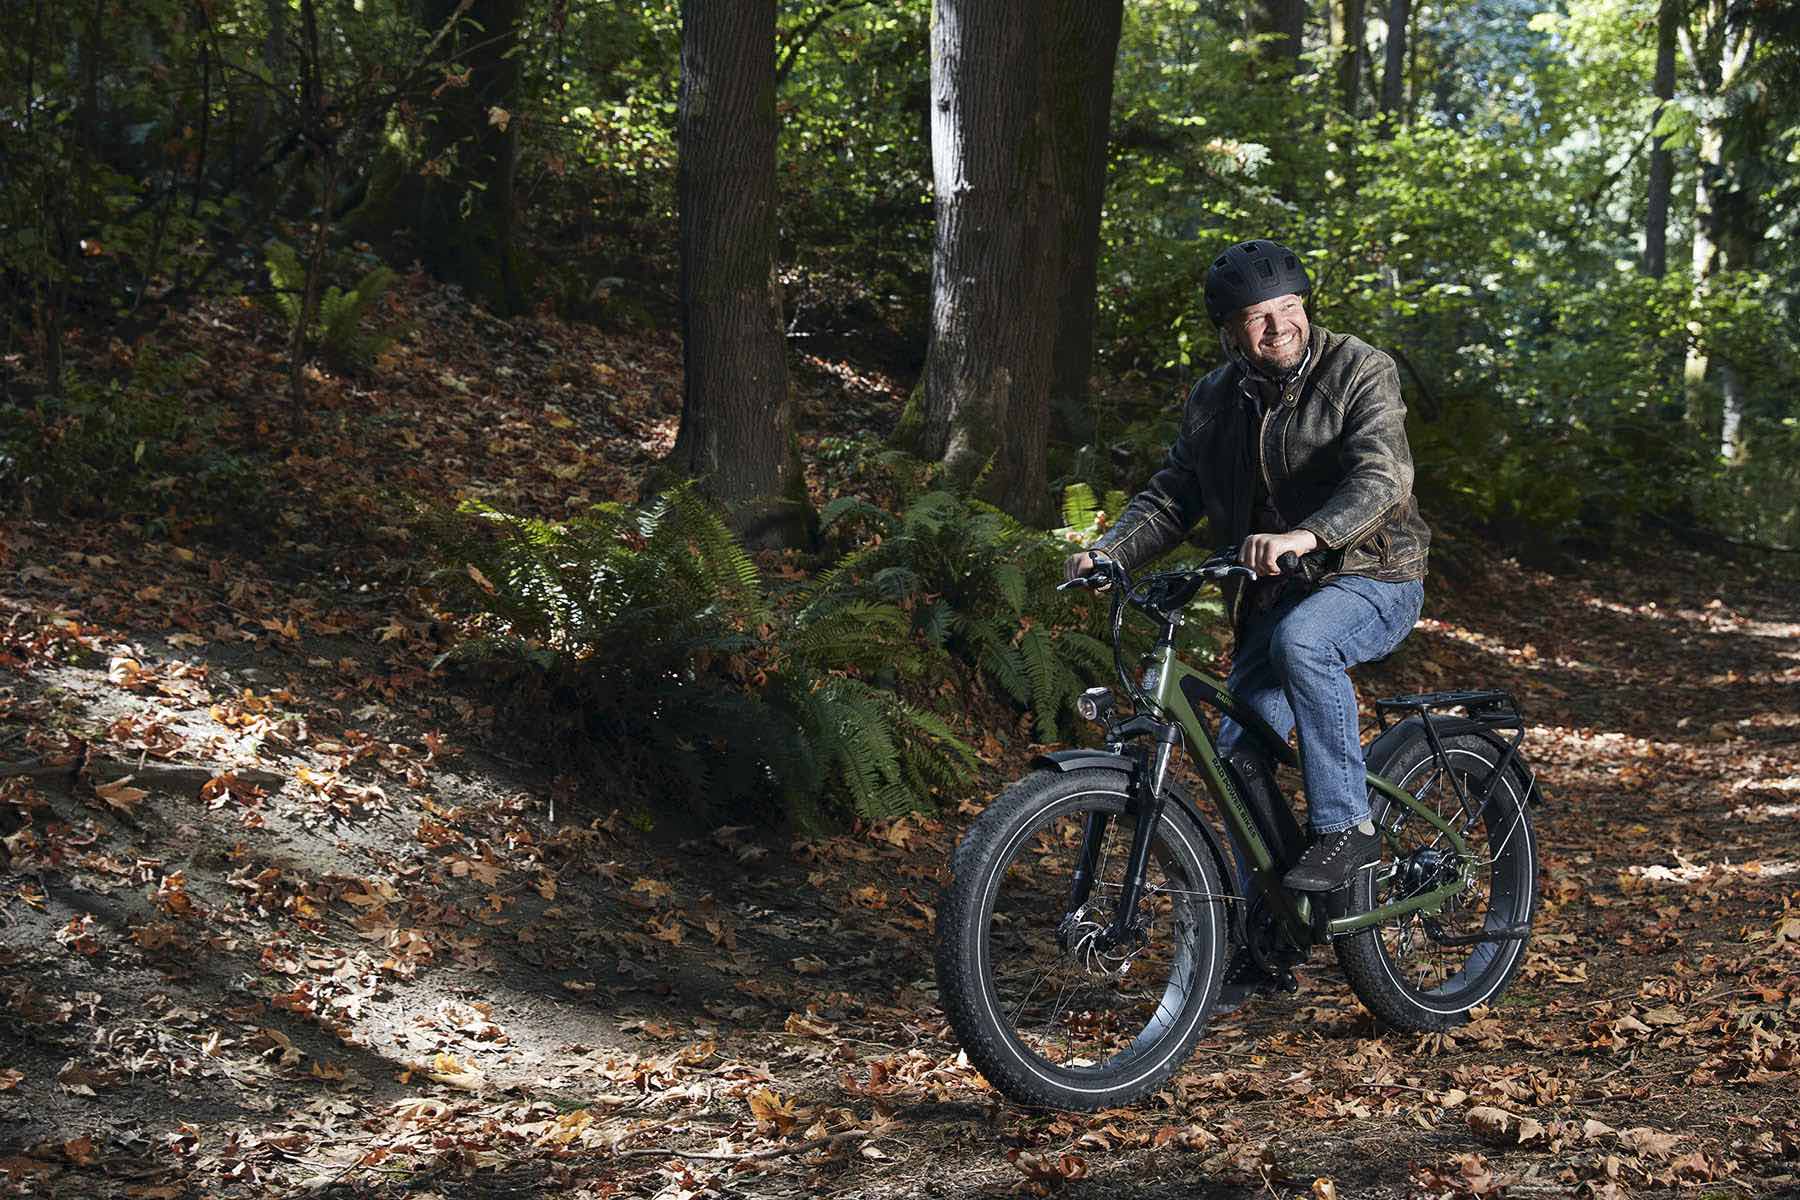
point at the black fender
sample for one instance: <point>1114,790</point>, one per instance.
<point>1382,750</point>
<point>1127,765</point>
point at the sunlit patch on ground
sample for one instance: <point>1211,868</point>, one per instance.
<point>390,974</point>
<point>1687,871</point>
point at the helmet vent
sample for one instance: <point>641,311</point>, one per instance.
<point>1251,272</point>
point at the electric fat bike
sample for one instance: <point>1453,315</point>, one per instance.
<point>1088,923</point>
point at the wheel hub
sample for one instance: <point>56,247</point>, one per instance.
<point>1425,869</point>
<point>1088,938</point>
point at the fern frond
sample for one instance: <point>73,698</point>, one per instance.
<point>1041,669</point>
<point>1079,506</point>
<point>1011,582</point>
<point>1092,657</point>
<point>847,508</point>
<point>936,622</point>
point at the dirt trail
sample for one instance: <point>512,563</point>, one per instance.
<point>393,974</point>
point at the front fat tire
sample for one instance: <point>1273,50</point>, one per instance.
<point>1010,859</point>
<point>1388,986</point>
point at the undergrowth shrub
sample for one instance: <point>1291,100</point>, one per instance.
<point>981,588</point>
<point>638,648</point>
<point>337,325</point>
<point>102,442</point>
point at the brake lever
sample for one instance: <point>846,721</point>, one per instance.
<point>1102,575</point>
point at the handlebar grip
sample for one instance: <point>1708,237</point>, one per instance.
<point>1309,566</point>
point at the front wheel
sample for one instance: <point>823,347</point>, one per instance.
<point>1425,972</point>
<point>1046,1008</point>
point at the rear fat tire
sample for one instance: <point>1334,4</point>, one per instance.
<point>1434,989</point>
<point>1013,860</point>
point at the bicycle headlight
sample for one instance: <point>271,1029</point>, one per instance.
<point>1095,704</point>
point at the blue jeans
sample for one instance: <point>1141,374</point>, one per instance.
<point>1290,669</point>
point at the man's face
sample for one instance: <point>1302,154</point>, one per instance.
<point>1273,333</point>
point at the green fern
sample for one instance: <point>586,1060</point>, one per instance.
<point>337,326</point>
<point>981,588</point>
<point>642,642</point>
<point>1079,507</point>
<point>861,734</point>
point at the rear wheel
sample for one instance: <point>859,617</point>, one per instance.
<point>1046,1009</point>
<point>1426,971</point>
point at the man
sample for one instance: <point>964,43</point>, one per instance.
<point>1297,443</point>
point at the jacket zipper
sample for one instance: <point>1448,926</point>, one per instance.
<point>1262,462</point>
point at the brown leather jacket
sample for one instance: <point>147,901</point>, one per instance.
<point>1335,460</point>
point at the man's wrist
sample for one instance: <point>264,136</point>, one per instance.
<point>1319,542</point>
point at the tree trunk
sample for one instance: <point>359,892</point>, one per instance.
<point>985,404</point>
<point>1280,25</point>
<point>1352,32</point>
<point>1393,74</point>
<point>1087,42</point>
<point>736,432</point>
<point>476,250</point>
<point>1413,84</point>
<point>1739,239</point>
<point>1705,262</point>
<point>460,207</point>
<point>1726,226</point>
<point>1662,162</point>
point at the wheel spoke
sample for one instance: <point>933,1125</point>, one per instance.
<point>1087,1006</point>
<point>1421,857</point>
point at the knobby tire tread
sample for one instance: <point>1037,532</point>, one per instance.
<point>1361,955</point>
<point>958,920</point>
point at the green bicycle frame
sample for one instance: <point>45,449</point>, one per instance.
<point>1294,910</point>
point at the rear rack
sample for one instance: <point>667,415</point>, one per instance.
<point>1489,707</point>
<point>1493,709</point>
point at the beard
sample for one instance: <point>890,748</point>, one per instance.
<point>1281,359</point>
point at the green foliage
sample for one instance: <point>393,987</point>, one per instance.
<point>1085,516</point>
<point>100,443</point>
<point>337,327</point>
<point>638,647</point>
<point>981,588</point>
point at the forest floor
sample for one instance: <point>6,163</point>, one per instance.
<point>328,939</point>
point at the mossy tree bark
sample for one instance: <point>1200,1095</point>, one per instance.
<point>1086,51</point>
<point>985,406</point>
<point>736,432</point>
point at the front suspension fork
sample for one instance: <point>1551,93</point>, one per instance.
<point>1146,804</point>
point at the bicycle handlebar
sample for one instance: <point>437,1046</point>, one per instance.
<point>1174,589</point>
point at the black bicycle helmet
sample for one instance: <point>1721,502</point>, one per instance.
<point>1249,273</point>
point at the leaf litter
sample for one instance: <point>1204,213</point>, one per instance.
<point>317,937</point>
